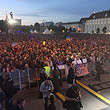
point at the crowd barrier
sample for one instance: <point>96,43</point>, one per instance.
<point>23,78</point>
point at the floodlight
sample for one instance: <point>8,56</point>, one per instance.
<point>12,21</point>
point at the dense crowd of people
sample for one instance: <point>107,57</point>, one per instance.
<point>17,51</point>
<point>32,51</point>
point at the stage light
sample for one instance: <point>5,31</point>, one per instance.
<point>12,21</point>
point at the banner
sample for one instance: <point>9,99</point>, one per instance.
<point>81,69</point>
<point>66,69</point>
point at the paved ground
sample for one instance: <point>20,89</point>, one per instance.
<point>89,101</point>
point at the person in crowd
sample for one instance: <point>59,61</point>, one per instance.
<point>73,96</point>
<point>2,96</point>
<point>47,70</point>
<point>52,105</point>
<point>71,75</point>
<point>59,74</point>
<point>1,68</point>
<point>46,88</point>
<point>1,81</point>
<point>99,70</point>
<point>20,104</point>
<point>55,79</point>
<point>43,77</point>
<point>9,91</point>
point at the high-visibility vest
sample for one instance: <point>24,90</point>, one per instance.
<point>47,70</point>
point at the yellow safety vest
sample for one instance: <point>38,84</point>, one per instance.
<point>47,70</point>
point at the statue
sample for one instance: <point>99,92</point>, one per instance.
<point>11,14</point>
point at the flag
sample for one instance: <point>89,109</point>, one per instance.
<point>14,44</point>
<point>68,38</point>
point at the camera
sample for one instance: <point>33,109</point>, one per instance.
<point>49,89</point>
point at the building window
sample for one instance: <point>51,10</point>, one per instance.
<point>106,15</point>
<point>94,16</point>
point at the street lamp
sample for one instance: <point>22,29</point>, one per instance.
<point>63,31</point>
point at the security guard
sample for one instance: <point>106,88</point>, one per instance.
<point>47,71</point>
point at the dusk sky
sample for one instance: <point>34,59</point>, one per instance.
<point>31,11</point>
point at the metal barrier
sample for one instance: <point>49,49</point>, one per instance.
<point>23,78</point>
<point>105,66</point>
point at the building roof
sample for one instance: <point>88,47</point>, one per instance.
<point>98,15</point>
<point>82,20</point>
<point>70,23</point>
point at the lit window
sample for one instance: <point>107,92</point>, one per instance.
<point>106,15</point>
<point>94,16</point>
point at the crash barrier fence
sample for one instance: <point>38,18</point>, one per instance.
<point>23,78</point>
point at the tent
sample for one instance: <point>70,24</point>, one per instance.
<point>31,31</point>
<point>35,31</point>
<point>46,32</point>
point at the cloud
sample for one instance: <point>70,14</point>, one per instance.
<point>30,15</point>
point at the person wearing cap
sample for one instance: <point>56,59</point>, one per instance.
<point>46,88</point>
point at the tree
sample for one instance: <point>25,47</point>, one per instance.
<point>98,30</point>
<point>51,26</point>
<point>37,26</point>
<point>66,30</point>
<point>32,27</point>
<point>92,32</point>
<point>104,30</point>
<point>3,26</point>
<point>70,29</point>
<point>25,29</point>
<point>74,29</point>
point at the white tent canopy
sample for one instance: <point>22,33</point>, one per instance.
<point>31,31</point>
<point>35,31</point>
<point>46,32</point>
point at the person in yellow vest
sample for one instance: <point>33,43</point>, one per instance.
<point>47,70</point>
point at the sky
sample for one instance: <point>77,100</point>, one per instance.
<point>31,11</point>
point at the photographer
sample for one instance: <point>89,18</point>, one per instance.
<point>73,98</point>
<point>46,88</point>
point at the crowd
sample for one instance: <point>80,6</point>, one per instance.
<point>32,51</point>
<point>17,51</point>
